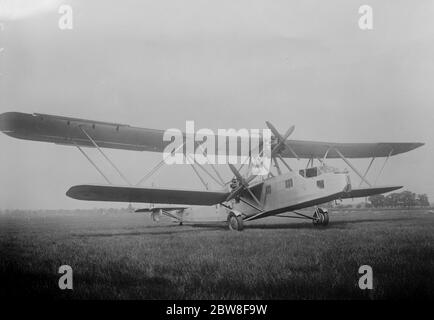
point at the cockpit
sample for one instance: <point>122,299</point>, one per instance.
<point>317,171</point>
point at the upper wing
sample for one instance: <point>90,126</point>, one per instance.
<point>147,195</point>
<point>317,149</point>
<point>68,131</point>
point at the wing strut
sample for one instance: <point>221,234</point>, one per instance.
<point>251,205</point>
<point>276,164</point>
<point>326,154</point>
<point>158,166</point>
<point>309,163</point>
<point>284,162</point>
<point>197,172</point>
<point>384,164</point>
<point>352,167</point>
<point>367,170</point>
<point>93,163</point>
<point>170,215</point>
<point>105,156</point>
<point>209,174</point>
<point>221,182</point>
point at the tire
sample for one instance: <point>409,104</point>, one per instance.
<point>316,218</point>
<point>326,219</point>
<point>235,223</point>
<point>155,217</point>
<point>321,219</point>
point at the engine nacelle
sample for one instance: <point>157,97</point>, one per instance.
<point>234,184</point>
<point>236,213</point>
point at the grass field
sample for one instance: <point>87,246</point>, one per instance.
<point>127,256</point>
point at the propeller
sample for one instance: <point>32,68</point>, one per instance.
<point>282,140</point>
<point>243,185</point>
<point>244,182</point>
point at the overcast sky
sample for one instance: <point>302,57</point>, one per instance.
<point>223,64</point>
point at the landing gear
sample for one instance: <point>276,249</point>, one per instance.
<point>320,217</point>
<point>235,222</point>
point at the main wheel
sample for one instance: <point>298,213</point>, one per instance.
<point>326,218</point>
<point>235,223</point>
<point>320,217</point>
<point>317,218</point>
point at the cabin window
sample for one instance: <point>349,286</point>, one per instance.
<point>311,172</point>
<point>268,189</point>
<point>289,183</point>
<point>320,184</point>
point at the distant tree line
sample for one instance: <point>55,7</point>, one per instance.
<point>404,199</point>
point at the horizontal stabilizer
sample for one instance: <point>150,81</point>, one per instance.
<point>156,209</point>
<point>366,192</point>
<point>146,195</point>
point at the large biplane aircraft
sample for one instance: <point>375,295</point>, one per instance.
<point>243,198</point>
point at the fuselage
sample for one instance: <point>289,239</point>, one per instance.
<point>297,189</point>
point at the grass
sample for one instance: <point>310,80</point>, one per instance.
<point>127,256</point>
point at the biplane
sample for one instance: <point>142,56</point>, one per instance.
<point>243,197</point>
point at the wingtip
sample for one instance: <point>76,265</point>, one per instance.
<point>69,192</point>
<point>6,121</point>
<point>416,145</point>
<point>12,123</point>
<point>73,192</point>
<point>397,187</point>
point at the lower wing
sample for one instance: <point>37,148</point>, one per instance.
<point>366,192</point>
<point>146,195</point>
<point>354,193</point>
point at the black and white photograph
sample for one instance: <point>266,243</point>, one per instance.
<point>216,156</point>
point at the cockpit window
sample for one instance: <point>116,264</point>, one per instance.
<point>317,171</point>
<point>310,172</point>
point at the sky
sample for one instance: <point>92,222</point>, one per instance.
<point>223,64</point>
